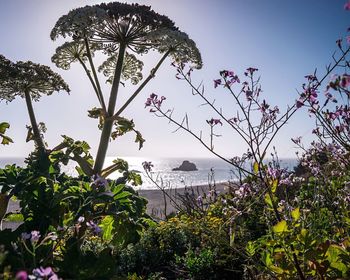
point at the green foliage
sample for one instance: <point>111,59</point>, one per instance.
<point>122,126</point>
<point>5,140</point>
<point>89,217</point>
<point>199,264</point>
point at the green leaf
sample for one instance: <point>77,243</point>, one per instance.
<point>121,165</point>
<point>121,195</point>
<point>274,185</point>
<point>14,217</point>
<point>134,178</point>
<point>256,167</point>
<point>250,248</point>
<point>296,214</point>
<point>281,227</point>
<point>276,269</point>
<point>267,259</point>
<point>139,139</point>
<point>123,126</point>
<point>268,200</point>
<point>107,226</point>
<point>117,189</point>
<point>5,140</point>
<point>232,238</point>
<point>3,127</point>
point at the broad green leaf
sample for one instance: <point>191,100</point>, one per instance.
<point>107,226</point>
<point>134,178</point>
<point>121,195</point>
<point>14,217</point>
<point>274,185</point>
<point>296,214</point>
<point>118,188</point>
<point>281,227</point>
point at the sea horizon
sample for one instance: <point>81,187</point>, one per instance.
<point>210,170</point>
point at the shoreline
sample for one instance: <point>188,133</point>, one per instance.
<point>155,198</point>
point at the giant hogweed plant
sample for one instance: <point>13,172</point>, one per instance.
<point>30,81</point>
<point>121,32</point>
<point>74,205</point>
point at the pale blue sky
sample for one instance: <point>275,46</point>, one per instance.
<point>284,39</point>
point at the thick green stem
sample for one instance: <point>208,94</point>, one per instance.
<point>37,137</point>
<point>108,124</point>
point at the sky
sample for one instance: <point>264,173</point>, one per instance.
<point>285,40</point>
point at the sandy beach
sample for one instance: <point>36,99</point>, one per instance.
<point>160,203</point>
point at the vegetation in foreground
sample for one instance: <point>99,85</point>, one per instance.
<point>271,224</point>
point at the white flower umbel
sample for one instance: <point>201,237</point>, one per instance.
<point>71,52</point>
<point>132,68</point>
<point>183,49</point>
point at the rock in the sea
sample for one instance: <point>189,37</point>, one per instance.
<point>186,166</point>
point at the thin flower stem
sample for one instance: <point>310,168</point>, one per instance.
<point>145,82</point>
<point>241,133</point>
<point>293,109</point>
<point>177,206</point>
<point>91,80</point>
<point>205,145</point>
<point>97,83</point>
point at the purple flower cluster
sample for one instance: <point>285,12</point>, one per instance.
<point>229,78</point>
<point>100,182</point>
<point>147,166</point>
<point>45,273</point>
<point>281,174</point>
<point>268,113</point>
<point>251,94</point>
<point>309,95</point>
<point>339,82</point>
<point>212,122</point>
<point>154,101</point>
<point>250,71</point>
<point>33,236</point>
<point>323,158</point>
<point>337,118</point>
<point>40,273</point>
<point>93,227</point>
<point>347,6</point>
<point>243,190</point>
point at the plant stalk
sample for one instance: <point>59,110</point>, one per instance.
<point>108,124</point>
<point>37,137</point>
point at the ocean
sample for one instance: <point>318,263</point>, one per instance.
<point>209,169</point>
